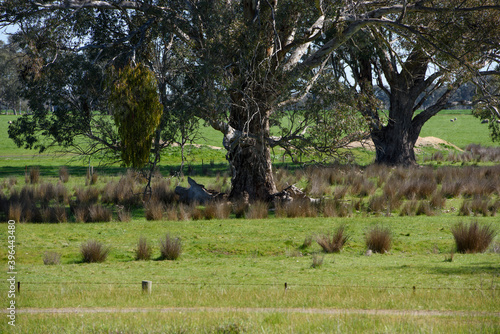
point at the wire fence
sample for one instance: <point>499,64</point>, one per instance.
<point>492,285</point>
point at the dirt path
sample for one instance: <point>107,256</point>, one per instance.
<point>420,313</point>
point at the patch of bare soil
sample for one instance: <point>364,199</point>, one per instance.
<point>421,142</point>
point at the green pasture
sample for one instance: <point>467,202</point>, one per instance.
<point>237,264</point>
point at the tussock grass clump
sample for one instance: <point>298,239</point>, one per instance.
<point>217,210</point>
<point>124,215</point>
<point>161,192</point>
<point>34,175</point>
<point>317,261</point>
<point>64,174</point>
<point>81,213</point>
<point>335,242</point>
<point>99,213</point>
<point>307,242</point>
<point>424,208</point>
<point>337,208</point>
<point>86,195</point>
<point>377,204</point>
<point>257,210</point>
<point>143,250</point>
<point>15,211</point>
<point>472,238</point>
<point>126,192</point>
<point>170,248</point>
<point>93,251</point>
<point>409,208</point>
<point>51,258</point>
<point>153,210</point>
<point>379,239</point>
<point>296,208</point>
<point>55,214</point>
<point>438,200</point>
<point>44,193</point>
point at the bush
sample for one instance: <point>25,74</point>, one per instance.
<point>333,243</point>
<point>51,258</point>
<point>93,251</point>
<point>143,250</point>
<point>170,248</point>
<point>472,238</point>
<point>379,239</point>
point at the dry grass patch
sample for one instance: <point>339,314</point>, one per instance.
<point>257,210</point>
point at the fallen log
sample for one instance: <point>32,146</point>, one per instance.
<point>197,193</point>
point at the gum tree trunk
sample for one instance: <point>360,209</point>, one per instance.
<point>249,154</point>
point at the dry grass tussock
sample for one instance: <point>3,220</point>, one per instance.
<point>296,208</point>
<point>143,250</point>
<point>51,258</point>
<point>93,251</point>
<point>333,243</point>
<point>170,248</point>
<point>257,210</point>
<point>472,238</point>
<point>153,210</point>
<point>379,239</point>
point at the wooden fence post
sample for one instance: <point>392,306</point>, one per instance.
<point>147,286</point>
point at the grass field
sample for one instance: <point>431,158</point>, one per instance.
<point>231,275</point>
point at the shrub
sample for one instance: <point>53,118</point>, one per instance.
<point>143,250</point>
<point>51,258</point>
<point>170,248</point>
<point>154,210</point>
<point>93,251</point>
<point>379,239</point>
<point>64,174</point>
<point>472,238</point>
<point>258,210</point>
<point>333,243</point>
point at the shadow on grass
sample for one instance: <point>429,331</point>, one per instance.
<point>474,269</point>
